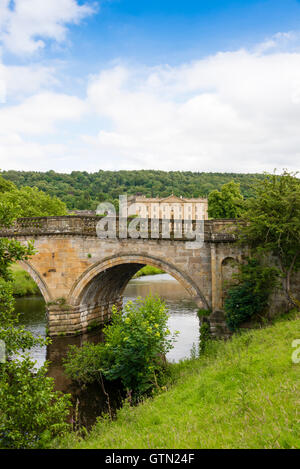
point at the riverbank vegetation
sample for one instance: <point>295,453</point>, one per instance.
<point>22,283</point>
<point>136,342</point>
<point>148,270</point>
<point>247,299</point>
<point>243,393</point>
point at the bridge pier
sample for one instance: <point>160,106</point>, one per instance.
<point>72,320</point>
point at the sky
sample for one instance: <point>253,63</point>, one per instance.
<point>197,85</point>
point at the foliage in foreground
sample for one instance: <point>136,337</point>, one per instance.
<point>135,345</point>
<point>249,298</point>
<point>31,413</point>
<point>243,393</point>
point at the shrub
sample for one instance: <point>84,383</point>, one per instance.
<point>205,336</point>
<point>250,297</point>
<point>203,313</point>
<point>31,413</point>
<point>134,351</point>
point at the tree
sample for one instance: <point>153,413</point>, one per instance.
<point>30,202</point>
<point>106,185</point>
<point>226,203</point>
<point>6,185</point>
<point>272,224</point>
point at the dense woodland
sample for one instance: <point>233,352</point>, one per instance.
<point>82,190</point>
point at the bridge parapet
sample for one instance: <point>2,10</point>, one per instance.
<point>215,231</point>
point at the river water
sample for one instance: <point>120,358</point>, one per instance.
<point>92,401</point>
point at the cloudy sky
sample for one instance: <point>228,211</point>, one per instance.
<point>200,85</point>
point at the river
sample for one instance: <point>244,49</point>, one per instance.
<point>91,401</point>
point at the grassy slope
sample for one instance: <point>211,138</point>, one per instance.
<point>243,394</point>
<point>23,284</point>
<point>148,270</point>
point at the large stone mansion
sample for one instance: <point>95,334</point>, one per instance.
<point>171,207</point>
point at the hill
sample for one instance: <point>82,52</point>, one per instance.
<point>81,190</point>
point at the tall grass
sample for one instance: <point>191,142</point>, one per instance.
<point>243,393</point>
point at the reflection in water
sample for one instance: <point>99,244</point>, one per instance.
<point>91,400</point>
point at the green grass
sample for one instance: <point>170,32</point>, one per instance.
<point>242,394</point>
<point>148,270</point>
<point>23,285</point>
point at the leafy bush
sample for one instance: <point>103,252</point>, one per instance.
<point>31,413</point>
<point>202,312</point>
<point>134,351</point>
<point>250,297</point>
<point>205,336</point>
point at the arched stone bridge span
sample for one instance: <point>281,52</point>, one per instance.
<point>82,276</point>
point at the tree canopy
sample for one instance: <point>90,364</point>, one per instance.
<point>83,191</point>
<point>226,203</point>
<point>26,202</point>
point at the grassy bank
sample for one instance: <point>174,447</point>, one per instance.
<point>23,285</point>
<point>148,270</point>
<point>241,394</point>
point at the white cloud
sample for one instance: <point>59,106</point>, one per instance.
<point>3,81</point>
<point>40,114</point>
<point>233,111</point>
<point>25,80</point>
<point>279,41</point>
<point>26,25</point>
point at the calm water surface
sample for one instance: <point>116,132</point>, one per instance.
<point>91,401</point>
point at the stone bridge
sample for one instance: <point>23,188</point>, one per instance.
<point>82,276</point>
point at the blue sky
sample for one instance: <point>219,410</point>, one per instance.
<point>115,84</point>
<point>172,31</point>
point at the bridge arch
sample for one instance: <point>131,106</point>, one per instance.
<point>105,281</point>
<point>34,274</point>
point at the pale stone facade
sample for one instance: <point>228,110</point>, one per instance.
<point>171,207</point>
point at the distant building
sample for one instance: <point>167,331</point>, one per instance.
<point>171,207</point>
